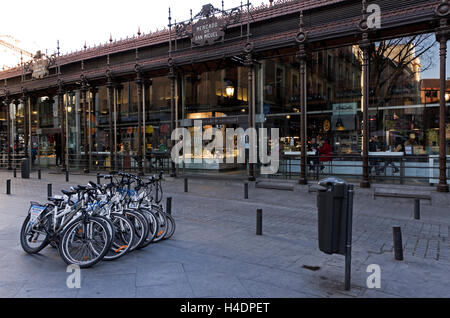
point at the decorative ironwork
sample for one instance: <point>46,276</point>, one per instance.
<point>301,36</point>
<point>207,26</point>
<point>207,11</point>
<point>40,66</point>
<point>443,9</point>
<point>363,26</point>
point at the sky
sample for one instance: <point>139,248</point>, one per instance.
<point>74,22</point>
<point>39,24</point>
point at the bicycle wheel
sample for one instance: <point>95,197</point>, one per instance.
<point>152,225</point>
<point>140,227</point>
<point>162,223</point>
<point>171,227</point>
<point>33,238</point>
<point>109,225</point>
<point>85,242</point>
<point>123,238</point>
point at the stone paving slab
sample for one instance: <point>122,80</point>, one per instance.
<point>215,252</point>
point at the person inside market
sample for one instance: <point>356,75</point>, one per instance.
<point>312,147</point>
<point>325,153</point>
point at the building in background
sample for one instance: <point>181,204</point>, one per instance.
<point>114,106</point>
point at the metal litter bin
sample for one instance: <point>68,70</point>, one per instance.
<point>332,204</point>
<point>25,168</point>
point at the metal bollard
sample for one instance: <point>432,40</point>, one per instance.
<point>186,185</point>
<point>39,174</point>
<point>246,191</point>
<point>157,194</point>
<point>8,187</point>
<point>259,220</point>
<point>98,178</point>
<point>15,173</point>
<point>169,205</point>
<point>398,243</point>
<point>349,239</point>
<point>417,209</point>
<point>49,190</point>
<point>67,175</point>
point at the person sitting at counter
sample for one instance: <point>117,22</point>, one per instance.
<point>377,146</point>
<point>374,162</point>
<point>389,161</point>
<point>325,153</point>
<point>312,147</point>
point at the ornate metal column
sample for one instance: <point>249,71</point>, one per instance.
<point>172,77</point>
<point>24,101</point>
<point>442,36</point>
<point>84,89</point>
<point>110,87</point>
<point>147,84</point>
<point>62,120</point>
<point>139,83</point>
<point>248,49</point>
<point>7,103</point>
<point>301,38</point>
<point>117,119</point>
<point>365,47</point>
<point>92,101</point>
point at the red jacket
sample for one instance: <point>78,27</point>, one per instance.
<point>325,152</point>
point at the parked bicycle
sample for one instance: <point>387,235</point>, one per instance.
<point>99,222</point>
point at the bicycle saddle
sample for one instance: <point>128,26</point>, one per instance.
<point>93,185</point>
<point>68,193</point>
<point>56,200</point>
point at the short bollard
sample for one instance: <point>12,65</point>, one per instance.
<point>157,195</point>
<point>259,220</point>
<point>39,174</point>
<point>15,173</point>
<point>417,209</point>
<point>98,178</point>
<point>169,205</point>
<point>246,191</point>
<point>186,185</point>
<point>398,243</point>
<point>67,175</point>
<point>49,190</point>
<point>8,187</point>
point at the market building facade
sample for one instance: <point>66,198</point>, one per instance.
<point>342,72</point>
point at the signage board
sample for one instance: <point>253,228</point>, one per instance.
<point>40,68</point>
<point>345,108</point>
<point>207,31</point>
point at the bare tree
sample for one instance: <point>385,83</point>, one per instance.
<point>398,61</point>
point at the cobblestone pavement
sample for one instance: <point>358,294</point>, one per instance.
<point>215,252</point>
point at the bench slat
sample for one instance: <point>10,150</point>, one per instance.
<point>402,195</point>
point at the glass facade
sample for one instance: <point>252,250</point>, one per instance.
<point>403,113</point>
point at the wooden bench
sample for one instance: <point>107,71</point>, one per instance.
<point>275,185</point>
<point>419,196</point>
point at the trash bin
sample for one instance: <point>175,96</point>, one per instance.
<point>25,168</point>
<point>332,204</point>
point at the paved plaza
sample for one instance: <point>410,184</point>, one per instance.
<point>215,252</point>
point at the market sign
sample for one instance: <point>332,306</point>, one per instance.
<point>40,66</point>
<point>207,31</point>
<point>345,109</point>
